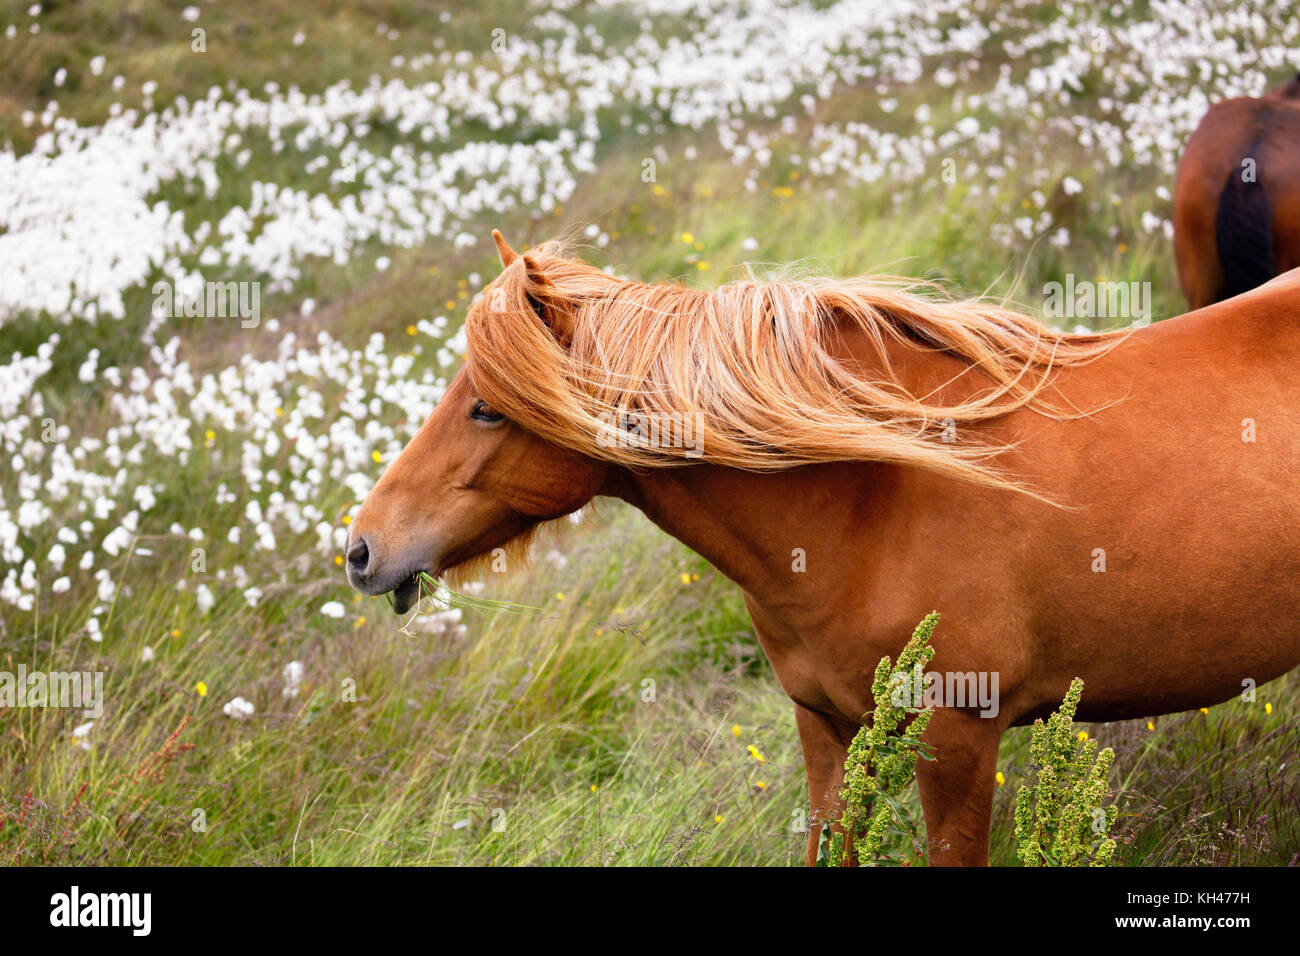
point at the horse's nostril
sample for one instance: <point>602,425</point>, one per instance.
<point>359,556</point>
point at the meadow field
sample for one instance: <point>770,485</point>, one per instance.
<point>177,484</point>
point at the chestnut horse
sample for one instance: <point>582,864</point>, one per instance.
<point>1119,508</point>
<point>1237,196</point>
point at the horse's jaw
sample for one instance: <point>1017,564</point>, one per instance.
<point>407,594</point>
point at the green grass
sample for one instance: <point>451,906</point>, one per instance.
<point>527,739</point>
<point>541,720</point>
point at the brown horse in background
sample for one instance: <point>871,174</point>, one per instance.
<point>1117,508</point>
<point>1237,196</point>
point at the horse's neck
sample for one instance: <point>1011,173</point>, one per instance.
<point>922,372</point>
<point>697,506</point>
<point>757,528</point>
<point>749,525</point>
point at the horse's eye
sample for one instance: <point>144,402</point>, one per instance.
<point>484,412</point>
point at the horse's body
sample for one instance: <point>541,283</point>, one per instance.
<point>1237,196</point>
<point>1200,532</point>
<point>1196,527</point>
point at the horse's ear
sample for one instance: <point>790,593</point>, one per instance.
<point>542,296</point>
<point>507,254</point>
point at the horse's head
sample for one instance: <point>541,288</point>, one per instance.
<point>578,382</point>
<point>470,481</point>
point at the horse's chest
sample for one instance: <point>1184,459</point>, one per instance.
<point>815,670</point>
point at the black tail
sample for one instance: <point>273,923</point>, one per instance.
<point>1243,233</point>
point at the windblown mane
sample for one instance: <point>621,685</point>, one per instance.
<point>749,363</point>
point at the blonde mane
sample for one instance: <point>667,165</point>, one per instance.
<point>750,365</point>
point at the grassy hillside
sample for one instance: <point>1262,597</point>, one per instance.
<point>176,489</point>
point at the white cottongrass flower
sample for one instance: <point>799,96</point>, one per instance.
<point>238,709</point>
<point>292,674</point>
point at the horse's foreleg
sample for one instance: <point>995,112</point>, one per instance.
<point>957,787</point>
<point>824,748</point>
